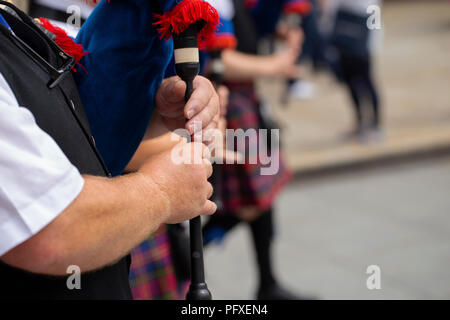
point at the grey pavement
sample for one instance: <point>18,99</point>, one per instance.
<point>330,229</point>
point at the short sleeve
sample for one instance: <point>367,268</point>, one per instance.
<point>37,181</point>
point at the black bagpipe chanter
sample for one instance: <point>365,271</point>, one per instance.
<point>188,22</point>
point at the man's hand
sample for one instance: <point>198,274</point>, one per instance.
<point>117,214</point>
<point>172,113</point>
<point>202,107</point>
<point>184,186</point>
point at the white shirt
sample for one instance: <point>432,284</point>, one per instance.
<point>37,181</point>
<point>225,8</point>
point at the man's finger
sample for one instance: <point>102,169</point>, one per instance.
<point>204,117</point>
<point>170,98</point>
<point>203,91</point>
<point>208,167</point>
<point>210,191</point>
<point>206,153</point>
<point>174,91</point>
<point>210,208</point>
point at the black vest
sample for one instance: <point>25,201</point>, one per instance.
<point>26,65</point>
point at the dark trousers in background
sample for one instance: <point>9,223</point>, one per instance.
<point>356,73</point>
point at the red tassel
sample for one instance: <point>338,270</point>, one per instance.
<point>185,14</point>
<point>303,8</point>
<point>66,43</point>
<point>220,42</point>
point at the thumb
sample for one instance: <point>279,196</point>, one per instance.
<point>174,90</point>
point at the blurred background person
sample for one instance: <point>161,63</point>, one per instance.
<point>306,15</point>
<point>354,44</point>
<point>248,196</point>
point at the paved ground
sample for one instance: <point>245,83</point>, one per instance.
<point>332,228</point>
<point>413,72</point>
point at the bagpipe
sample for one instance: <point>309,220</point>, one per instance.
<point>191,22</point>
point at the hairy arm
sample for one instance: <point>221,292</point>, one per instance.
<point>107,219</point>
<point>156,140</point>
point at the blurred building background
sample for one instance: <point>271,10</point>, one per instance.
<point>353,204</point>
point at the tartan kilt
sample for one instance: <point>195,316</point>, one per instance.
<point>243,184</point>
<point>152,275</point>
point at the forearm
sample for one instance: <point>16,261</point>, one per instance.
<point>107,220</point>
<point>149,148</point>
<point>242,66</point>
<point>157,139</point>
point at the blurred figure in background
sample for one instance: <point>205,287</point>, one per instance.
<point>313,46</point>
<point>353,41</point>
<point>247,195</point>
<point>313,49</point>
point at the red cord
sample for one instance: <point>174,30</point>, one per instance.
<point>67,44</point>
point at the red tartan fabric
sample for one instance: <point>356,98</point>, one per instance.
<point>152,276</point>
<point>243,185</point>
